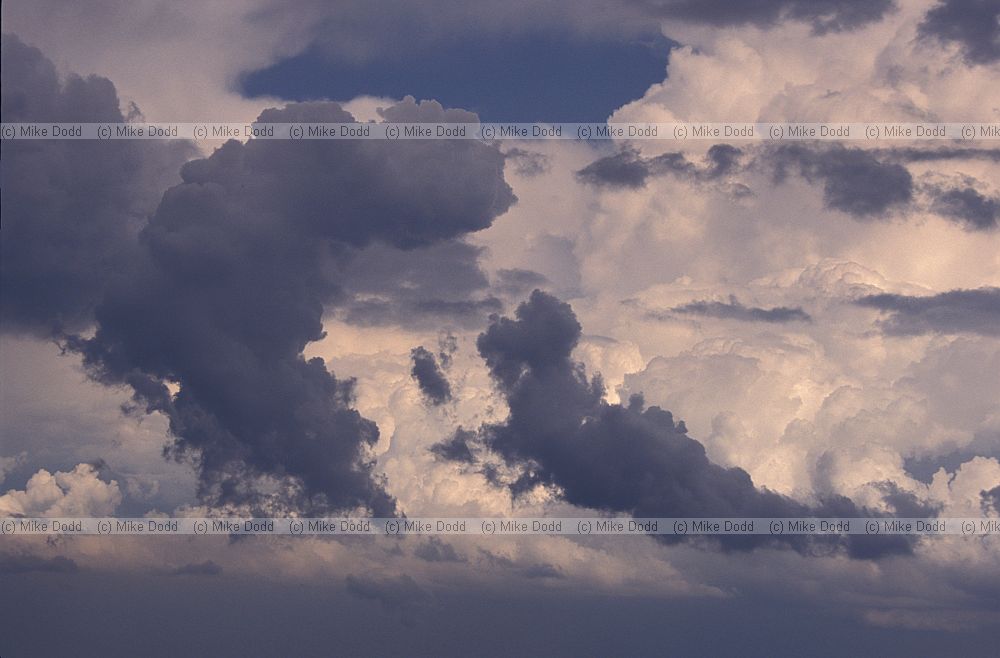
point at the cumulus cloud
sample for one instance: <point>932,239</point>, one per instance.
<point>79,492</point>
<point>560,433</point>
<point>236,267</point>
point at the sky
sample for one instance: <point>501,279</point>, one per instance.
<point>447,328</point>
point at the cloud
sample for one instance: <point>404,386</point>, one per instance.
<point>561,434</point>
<point>394,594</point>
<point>854,180</point>
<point>79,492</point>
<point>206,568</point>
<point>734,310</point>
<point>968,206</point>
<point>956,311</point>
<point>973,24</point>
<point>824,16</point>
<point>456,448</point>
<point>236,268</point>
<point>441,283</point>
<point>71,208</point>
<point>429,377</point>
<point>435,550</point>
<point>28,563</point>
<point>628,169</point>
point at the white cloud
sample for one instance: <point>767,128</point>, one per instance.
<point>79,492</point>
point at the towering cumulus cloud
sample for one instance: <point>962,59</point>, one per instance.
<point>230,283</point>
<point>612,457</point>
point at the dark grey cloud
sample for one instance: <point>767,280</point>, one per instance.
<point>628,169</point>
<point>616,458</point>
<point>956,311</point>
<point>854,180</point>
<point>234,272</point>
<point>823,15</point>
<point>973,24</point>
<point>71,209</point>
<point>734,310</point>
<point>967,205</point>
<point>206,568</point>
<point>429,377</point>
<point>28,563</point>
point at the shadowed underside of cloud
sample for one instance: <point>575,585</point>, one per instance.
<point>968,205</point>
<point>956,311</point>
<point>561,433</point>
<point>734,310</point>
<point>973,24</point>
<point>854,180</point>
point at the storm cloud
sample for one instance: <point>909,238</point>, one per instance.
<point>956,311</point>
<point>235,269</point>
<point>71,208</point>
<point>611,457</point>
